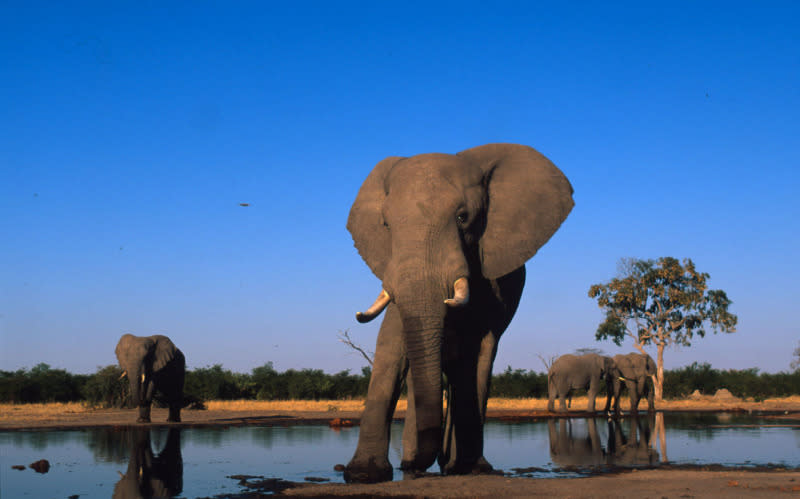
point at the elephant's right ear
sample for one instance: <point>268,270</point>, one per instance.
<point>365,222</point>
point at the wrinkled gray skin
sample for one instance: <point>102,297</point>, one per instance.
<point>149,475</point>
<point>421,224</point>
<point>568,449</point>
<point>635,369</point>
<point>573,372</point>
<point>153,363</point>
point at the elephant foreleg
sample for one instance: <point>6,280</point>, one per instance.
<point>370,463</point>
<point>463,450</point>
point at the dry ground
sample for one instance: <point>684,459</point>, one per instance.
<point>671,482</point>
<point>239,412</point>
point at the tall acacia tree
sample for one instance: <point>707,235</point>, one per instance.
<point>661,302</point>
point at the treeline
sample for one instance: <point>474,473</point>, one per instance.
<point>105,388</point>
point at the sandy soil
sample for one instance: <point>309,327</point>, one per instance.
<point>666,481</point>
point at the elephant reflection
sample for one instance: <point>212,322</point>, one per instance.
<point>569,450</point>
<point>148,475</point>
<point>584,449</point>
<point>636,448</point>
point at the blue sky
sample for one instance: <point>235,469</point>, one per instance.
<point>130,132</point>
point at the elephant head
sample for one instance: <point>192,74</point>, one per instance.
<point>143,358</point>
<point>609,368</point>
<point>635,366</point>
<point>430,226</point>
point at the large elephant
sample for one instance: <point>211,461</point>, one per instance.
<point>153,363</point>
<point>572,372</point>
<point>635,370</point>
<point>149,475</point>
<point>448,236</point>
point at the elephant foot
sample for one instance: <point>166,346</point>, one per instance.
<point>372,471</point>
<point>173,420</point>
<point>428,447</point>
<point>475,468</point>
<point>142,420</point>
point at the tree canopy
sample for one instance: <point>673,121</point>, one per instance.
<point>662,302</point>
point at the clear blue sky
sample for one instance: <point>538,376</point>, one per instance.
<point>130,132</point>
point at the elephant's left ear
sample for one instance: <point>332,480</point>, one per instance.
<point>529,198</point>
<point>164,352</point>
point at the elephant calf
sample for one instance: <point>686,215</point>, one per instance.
<point>570,372</point>
<point>153,363</point>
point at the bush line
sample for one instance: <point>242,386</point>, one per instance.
<point>105,388</point>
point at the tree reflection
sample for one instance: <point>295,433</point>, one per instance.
<point>149,475</point>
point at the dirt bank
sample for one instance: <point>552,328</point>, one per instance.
<point>659,483</point>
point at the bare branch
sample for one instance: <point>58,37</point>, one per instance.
<point>344,337</point>
<point>547,362</point>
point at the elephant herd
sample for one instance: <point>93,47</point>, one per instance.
<point>448,236</point>
<point>575,372</point>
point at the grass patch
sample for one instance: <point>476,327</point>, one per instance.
<point>41,412</point>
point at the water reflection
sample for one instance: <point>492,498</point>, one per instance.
<point>576,443</point>
<point>198,462</point>
<point>149,475</point>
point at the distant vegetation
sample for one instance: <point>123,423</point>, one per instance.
<point>105,389</point>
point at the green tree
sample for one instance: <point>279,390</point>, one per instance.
<point>662,302</point>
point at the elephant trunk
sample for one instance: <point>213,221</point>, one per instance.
<point>136,379</point>
<point>425,368</point>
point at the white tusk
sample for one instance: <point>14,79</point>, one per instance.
<point>460,293</point>
<point>124,373</point>
<point>380,303</point>
<point>142,377</point>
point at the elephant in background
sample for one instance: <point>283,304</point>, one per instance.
<point>569,450</point>
<point>570,372</point>
<point>448,236</point>
<point>153,363</point>
<point>634,369</point>
<point>149,476</point>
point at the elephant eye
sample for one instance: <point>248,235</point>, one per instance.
<point>462,218</point>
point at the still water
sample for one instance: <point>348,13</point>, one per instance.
<point>197,462</point>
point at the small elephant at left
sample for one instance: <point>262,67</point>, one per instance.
<point>153,363</point>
